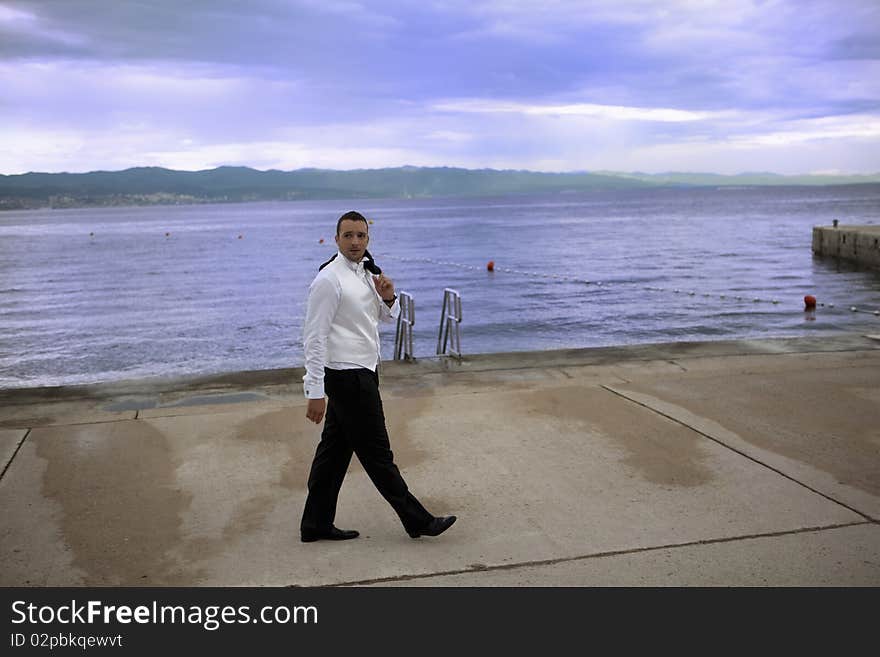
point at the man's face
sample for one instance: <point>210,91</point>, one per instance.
<point>352,239</point>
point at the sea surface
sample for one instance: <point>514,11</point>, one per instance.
<point>103,294</point>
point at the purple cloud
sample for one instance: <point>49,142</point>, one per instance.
<point>557,85</point>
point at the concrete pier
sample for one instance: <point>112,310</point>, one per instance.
<point>739,463</point>
<point>859,244</point>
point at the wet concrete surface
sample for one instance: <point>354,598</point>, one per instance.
<point>731,463</point>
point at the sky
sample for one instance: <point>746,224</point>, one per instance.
<point>787,86</point>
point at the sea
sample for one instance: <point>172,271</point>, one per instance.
<point>94,295</point>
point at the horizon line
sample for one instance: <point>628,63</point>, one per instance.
<point>600,172</point>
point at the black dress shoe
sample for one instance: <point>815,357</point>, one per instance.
<point>434,528</point>
<point>333,535</point>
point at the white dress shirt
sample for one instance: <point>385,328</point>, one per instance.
<point>341,329</point>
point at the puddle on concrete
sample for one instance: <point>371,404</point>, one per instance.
<point>660,450</point>
<point>204,400</point>
<point>120,500</point>
<point>139,404</point>
<point>830,424</point>
<point>298,438</point>
<point>295,441</point>
<point>287,441</point>
<point>130,405</point>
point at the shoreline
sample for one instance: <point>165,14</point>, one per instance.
<point>284,381</point>
<point>158,186</point>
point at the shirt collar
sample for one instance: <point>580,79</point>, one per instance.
<point>354,266</point>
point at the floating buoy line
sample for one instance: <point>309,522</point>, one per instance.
<point>809,300</point>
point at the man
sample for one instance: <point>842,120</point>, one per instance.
<point>341,342</point>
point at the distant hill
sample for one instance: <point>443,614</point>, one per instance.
<point>154,185</point>
<point>748,179</point>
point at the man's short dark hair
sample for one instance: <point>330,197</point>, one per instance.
<point>351,215</point>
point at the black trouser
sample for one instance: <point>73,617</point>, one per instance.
<point>355,422</point>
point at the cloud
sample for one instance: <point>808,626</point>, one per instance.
<point>25,32</point>
<point>8,15</point>
<point>460,82</point>
<point>197,97</point>
<point>610,112</point>
<point>835,128</point>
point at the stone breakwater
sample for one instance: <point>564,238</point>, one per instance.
<point>859,244</point>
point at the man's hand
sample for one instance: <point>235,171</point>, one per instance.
<point>384,286</point>
<point>315,410</point>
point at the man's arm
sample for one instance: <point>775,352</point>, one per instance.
<point>389,309</point>
<point>321,309</point>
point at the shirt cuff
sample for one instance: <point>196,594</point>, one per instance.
<point>313,390</point>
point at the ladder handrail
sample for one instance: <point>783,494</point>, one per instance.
<point>450,324</point>
<point>403,340</point>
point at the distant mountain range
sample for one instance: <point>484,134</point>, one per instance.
<point>154,185</point>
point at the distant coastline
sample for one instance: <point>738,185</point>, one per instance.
<point>158,186</point>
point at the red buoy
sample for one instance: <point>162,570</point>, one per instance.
<point>321,241</point>
<point>490,266</point>
<point>809,302</point>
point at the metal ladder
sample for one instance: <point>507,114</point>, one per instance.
<point>449,339</point>
<point>403,340</point>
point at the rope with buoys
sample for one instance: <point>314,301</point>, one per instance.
<point>492,267</point>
